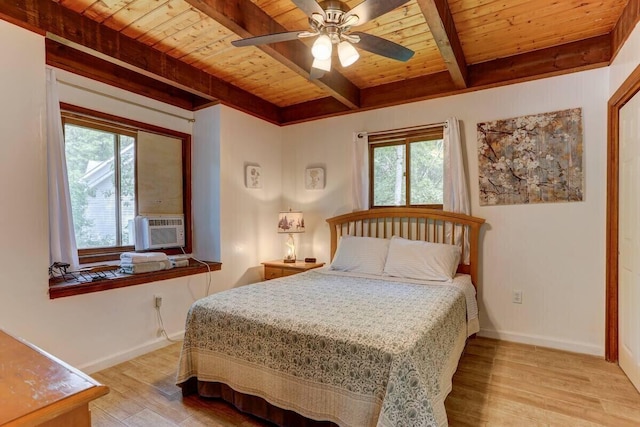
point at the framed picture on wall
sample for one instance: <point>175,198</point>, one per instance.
<point>314,178</point>
<point>253,176</point>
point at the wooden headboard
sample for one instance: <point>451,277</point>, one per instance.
<point>429,225</point>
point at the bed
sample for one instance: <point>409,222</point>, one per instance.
<point>371,340</point>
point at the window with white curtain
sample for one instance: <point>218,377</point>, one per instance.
<point>406,168</point>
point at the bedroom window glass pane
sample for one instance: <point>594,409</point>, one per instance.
<point>407,167</point>
<point>389,182</point>
<point>427,166</point>
<point>127,189</point>
<point>100,167</point>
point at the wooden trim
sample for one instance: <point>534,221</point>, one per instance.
<point>554,61</point>
<point>401,137</point>
<point>122,120</point>
<point>443,28</point>
<point>625,92</point>
<point>350,221</point>
<point>90,36</point>
<point>564,59</point>
<point>89,123</point>
<point>624,27</point>
<point>246,19</point>
<point>83,64</point>
<point>59,290</point>
<point>80,33</point>
<point>113,253</point>
<point>93,255</point>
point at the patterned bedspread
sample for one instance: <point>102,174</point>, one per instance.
<point>358,351</point>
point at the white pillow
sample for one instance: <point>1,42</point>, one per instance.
<point>361,255</point>
<point>414,259</point>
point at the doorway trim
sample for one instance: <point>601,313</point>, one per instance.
<point>625,92</point>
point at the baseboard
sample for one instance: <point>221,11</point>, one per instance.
<point>114,359</point>
<point>575,347</point>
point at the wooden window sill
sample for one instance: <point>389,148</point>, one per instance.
<point>59,289</point>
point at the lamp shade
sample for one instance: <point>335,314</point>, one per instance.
<point>322,64</point>
<point>347,53</point>
<point>322,47</point>
<point>290,222</point>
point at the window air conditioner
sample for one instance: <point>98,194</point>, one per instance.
<point>157,232</point>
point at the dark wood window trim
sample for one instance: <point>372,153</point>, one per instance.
<point>59,289</point>
<point>402,137</point>
<point>66,289</point>
<point>88,256</point>
<point>625,92</point>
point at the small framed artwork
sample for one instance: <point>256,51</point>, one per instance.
<point>314,178</point>
<point>253,176</point>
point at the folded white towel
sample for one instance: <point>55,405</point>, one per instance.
<point>145,267</point>
<point>138,257</point>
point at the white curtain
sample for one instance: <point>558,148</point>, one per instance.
<point>62,240</point>
<point>360,171</point>
<point>456,195</point>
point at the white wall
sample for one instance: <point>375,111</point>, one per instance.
<point>554,253</point>
<point>235,224</point>
<point>626,61</point>
<point>97,330</point>
<point>249,217</point>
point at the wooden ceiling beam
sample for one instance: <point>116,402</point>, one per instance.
<point>440,22</point>
<point>624,27</point>
<point>247,20</point>
<point>311,110</point>
<point>46,16</point>
<point>66,58</point>
<point>126,56</point>
<point>568,58</point>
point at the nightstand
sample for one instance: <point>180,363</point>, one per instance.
<point>278,268</point>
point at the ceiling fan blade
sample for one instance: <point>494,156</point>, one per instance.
<point>380,46</point>
<point>268,38</point>
<point>371,9</point>
<point>309,6</point>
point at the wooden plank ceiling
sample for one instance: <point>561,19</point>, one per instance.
<point>180,52</point>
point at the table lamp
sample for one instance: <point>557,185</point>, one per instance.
<point>290,222</point>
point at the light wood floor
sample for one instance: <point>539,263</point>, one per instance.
<point>497,384</point>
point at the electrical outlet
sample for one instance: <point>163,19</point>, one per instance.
<point>159,332</point>
<point>516,297</point>
<point>157,301</point>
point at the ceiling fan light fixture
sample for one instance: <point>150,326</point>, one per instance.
<point>322,48</point>
<point>347,53</point>
<point>322,64</point>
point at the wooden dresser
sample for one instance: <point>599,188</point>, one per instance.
<point>38,389</point>
<point>278,268</point>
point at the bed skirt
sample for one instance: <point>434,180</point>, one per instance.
<point>249,404</point>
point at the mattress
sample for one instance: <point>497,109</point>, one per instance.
<point>352,349</point>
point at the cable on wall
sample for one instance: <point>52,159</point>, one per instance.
<point>162,329</point>
<point>208,271</point>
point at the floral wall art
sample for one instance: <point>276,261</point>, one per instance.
<point>252,176</point>
<point>531,159</point>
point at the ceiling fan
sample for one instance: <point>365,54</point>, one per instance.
<point>331,23</point>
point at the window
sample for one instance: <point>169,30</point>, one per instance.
<point>115,168</point>
<point>406,168</point>
<point>100,167</point>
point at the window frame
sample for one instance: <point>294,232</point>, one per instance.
<point>111,123</point>
<point>396,138</point>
